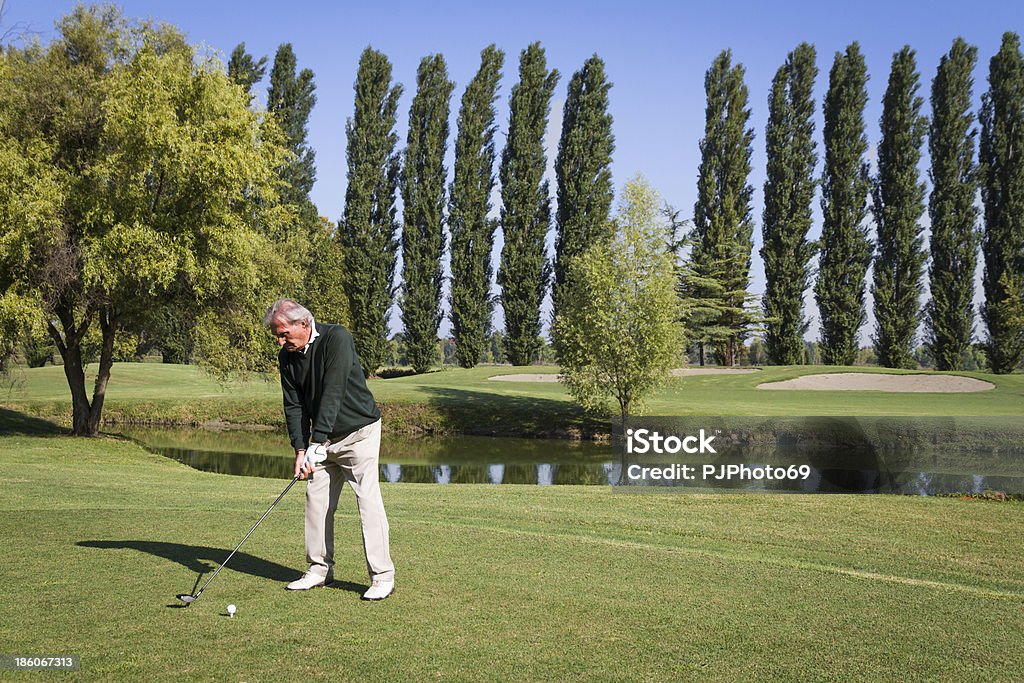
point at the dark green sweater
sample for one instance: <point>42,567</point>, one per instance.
<point>325,394</point>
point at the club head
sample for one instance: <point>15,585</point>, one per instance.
<point>187,598</point>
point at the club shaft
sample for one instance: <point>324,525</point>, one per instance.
<point>286,489</point>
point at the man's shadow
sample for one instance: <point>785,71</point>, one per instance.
<point>198,558</point>
<point>202,559</point>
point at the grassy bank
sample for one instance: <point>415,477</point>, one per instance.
<point>468,401</point>
<point>501,582</point>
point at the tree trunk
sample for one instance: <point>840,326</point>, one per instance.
<point>99,393</point>
<point>74,370</point>
<point>69,345</point>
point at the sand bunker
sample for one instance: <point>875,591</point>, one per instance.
<point>862,381</point>
<point>678,372</point>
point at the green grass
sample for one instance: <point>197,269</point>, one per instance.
<point>499,582</point>
<point>458,400</point>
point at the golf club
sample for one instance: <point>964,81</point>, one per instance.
<point>189,598</point>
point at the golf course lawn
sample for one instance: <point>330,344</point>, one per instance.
<point>455,400</point>
<point>502,583</point>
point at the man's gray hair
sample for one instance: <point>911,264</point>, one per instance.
<point>288,310</point>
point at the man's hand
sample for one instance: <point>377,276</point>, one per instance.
<point>302,468</point>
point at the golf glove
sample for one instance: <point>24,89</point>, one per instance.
<point>316,453</point>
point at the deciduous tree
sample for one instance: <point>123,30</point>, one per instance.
<point>423,200</point>
<point>719,270</point>
<point>618,331</point>
<point>368,233</point>
<point>1002,192</point>
<point>246,70</point>
<point>526,206</point>
<point>127,165</point>
<point>583,172</point>
<point>845,247</point>
<point>788,193</point>
<point>469,205</point>
<point>954,238</point>
<point>291,98</point>
<point>898,203</point>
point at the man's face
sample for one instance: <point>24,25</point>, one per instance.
<point>291,336</point>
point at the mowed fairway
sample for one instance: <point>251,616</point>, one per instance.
<point>458,400</point>
<point>499,582</point>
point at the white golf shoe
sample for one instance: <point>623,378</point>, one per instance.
<point>308,580</point>
<point>379,590</point>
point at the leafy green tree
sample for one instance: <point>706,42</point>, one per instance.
<point>583,169</point>
<point>954,240</point>
<point>447,351</point>
<point>245,70</point>
<point>397,351</point>
<point>1002,192</point>
<point>496,347</point>
<point>368,232</point>
<point>757,353</point>
<point>898,204</point>
<point>169,330</point>
<point>845,247</point>
<point>469,205</point>
<point>526,206</point>
<point>788,193</point>
<point>21,325</point>
<point>618,332</point>
<point>38,348</point>
<point>719,273</point>
<point>810,356</point>
<point>126,165</point>
<point>291,99</point>
<point>323,272</point>
<point>423,211</point>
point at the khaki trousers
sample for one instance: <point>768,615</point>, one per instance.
<point>355,460</point>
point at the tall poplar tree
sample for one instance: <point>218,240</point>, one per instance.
<point>526,206</point>
<point>1002,192</point>
<point>245,70</point>
<point>898,204</point>
<point>290,99</point>
<point>788,193</point>
<point>368,231</point>
<point>719,270</point>
<point>845,247</point>
<point>423,178</point>
<point>583,175</point>
<point>472,232</point>
<point>954,241</point>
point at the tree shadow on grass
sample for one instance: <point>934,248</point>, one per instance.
<point>479,412</point>
<point>13,423</point>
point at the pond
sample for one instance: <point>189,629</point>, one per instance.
<point>493,460</point>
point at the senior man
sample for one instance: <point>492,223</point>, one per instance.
<point>329,409</point>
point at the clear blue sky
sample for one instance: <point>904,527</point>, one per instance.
<point>656,55</point>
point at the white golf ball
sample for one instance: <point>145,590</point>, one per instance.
<point>231,610</point>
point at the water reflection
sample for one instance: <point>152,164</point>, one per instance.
<point>488,460</point>
<point>846,481</point>
<point>423,460</point>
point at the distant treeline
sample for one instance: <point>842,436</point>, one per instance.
<point>148,205</point>
<point>714,253</point>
